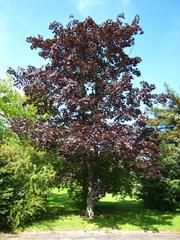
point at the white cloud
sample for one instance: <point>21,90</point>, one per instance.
<point>84,5</point>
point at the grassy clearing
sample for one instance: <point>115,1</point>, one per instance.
<point>128,214</point>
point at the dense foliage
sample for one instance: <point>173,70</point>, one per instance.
<point>25,172</point>
<point>164,193</point>
<point>25,176</point>
<point>10,107</point>
<point>88,107</point>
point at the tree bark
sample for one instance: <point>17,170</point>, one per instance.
<point>90,205</point>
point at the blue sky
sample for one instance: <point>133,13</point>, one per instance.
<point>159,47</point>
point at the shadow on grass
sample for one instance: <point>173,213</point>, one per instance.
<point>108,214</point>
<point>114,214</point>
<point>58,205</point>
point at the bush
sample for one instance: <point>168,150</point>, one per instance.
<point>164,193</point>
<point>160,194</point>
<point>25,176</point>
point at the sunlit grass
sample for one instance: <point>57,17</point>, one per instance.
<point>112,213</point>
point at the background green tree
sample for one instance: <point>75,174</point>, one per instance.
<point>25,172</point>
<point>11,107</point>
<point>164,193</point>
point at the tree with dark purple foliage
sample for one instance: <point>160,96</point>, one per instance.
<point>87,106</point>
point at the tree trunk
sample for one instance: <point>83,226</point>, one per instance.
<point>90,205</point>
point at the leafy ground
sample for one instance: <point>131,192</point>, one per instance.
<point>112,213</point>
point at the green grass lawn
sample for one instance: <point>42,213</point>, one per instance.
<point>112,213</point>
